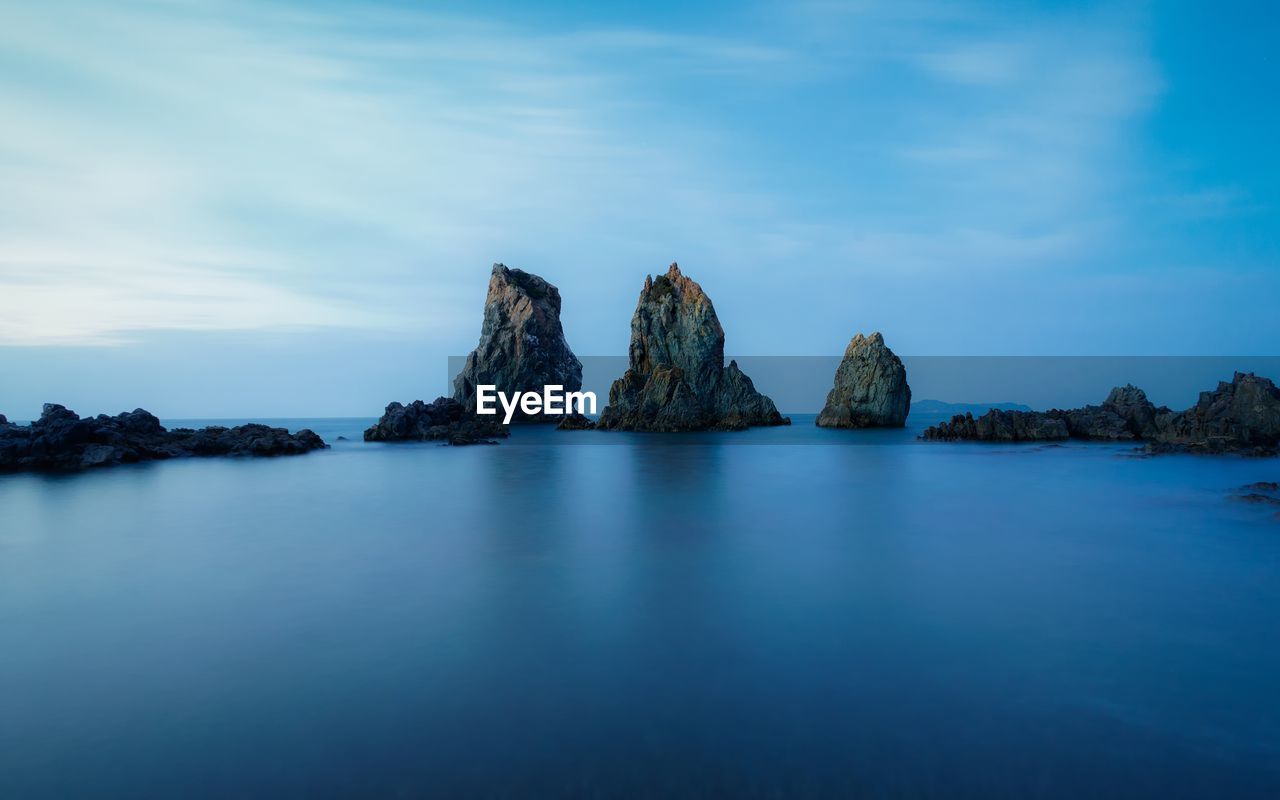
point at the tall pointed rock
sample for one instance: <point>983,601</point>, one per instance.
<point>522,346</point>
<point>870,388</point>
<point>677,379</point>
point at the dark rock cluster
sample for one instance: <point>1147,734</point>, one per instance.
<point>677,379</point>
<point>443,420</point>
<point>870,389</point>
<point>522,346</point>
<point>998,425</point>
<point>61,440</point>
<point>575,422</point>
<point>1242,416</point>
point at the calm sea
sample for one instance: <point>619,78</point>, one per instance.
<point>783,612</point>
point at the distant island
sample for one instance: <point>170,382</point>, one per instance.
<point>933,407</point>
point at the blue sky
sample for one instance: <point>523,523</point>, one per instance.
<point>291,208</point>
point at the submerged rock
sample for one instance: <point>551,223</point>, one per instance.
<point>1258,499</point>
<point>1262,486</point>
<point>443,420</point>
<point>61,440</point>
<point>677,379</point>
<point>870,389</point>
<point>522,346</point>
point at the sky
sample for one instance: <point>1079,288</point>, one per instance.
<point>291,208</point>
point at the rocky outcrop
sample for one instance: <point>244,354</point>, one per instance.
<point>1126,415</point>
<point>870,389</point>
<point>998,425</point>
<point>443,420</point>
<point>61,440</point>
<point>1139,414</point>
<point>522,346</point>
<point>677,379</point>
<point>1242,416</point>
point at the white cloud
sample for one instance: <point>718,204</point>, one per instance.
<point>257,165</point>
<point>314,155</point>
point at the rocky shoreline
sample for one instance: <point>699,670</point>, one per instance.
<point>61,441</point>
<point>1240,416</point>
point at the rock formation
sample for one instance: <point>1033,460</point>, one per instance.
<point>60,440</point>
<point>870,389</point>
<point>522,346</point>
<point>1126,415</point>
<point>575,422</point>
<point>999,426</point>
<point>677,380</point>
<point>1242,416</point>
<point>444,420</point>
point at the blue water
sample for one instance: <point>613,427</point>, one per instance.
<point>843,614</point>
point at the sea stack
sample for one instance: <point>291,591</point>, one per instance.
<point>677,379</point>
<point>870,388</point>
<point>522,346</point>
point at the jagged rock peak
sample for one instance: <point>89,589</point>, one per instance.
<point>677,379</point>
<point>675,324</point>
<point>522,345</point>
<point>870,388</point>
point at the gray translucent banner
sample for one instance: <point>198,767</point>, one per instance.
<point>941,386</point>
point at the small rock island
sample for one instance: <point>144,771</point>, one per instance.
<point>442,420</point>
<point>870,389</point>
<point>60,441</point>
<point>677,379</point>
<point>1240,416</point>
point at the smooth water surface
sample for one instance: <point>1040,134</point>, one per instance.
<point>844,614</point>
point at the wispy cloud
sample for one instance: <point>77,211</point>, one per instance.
<point>247,166</point>
<point>301,163</point>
